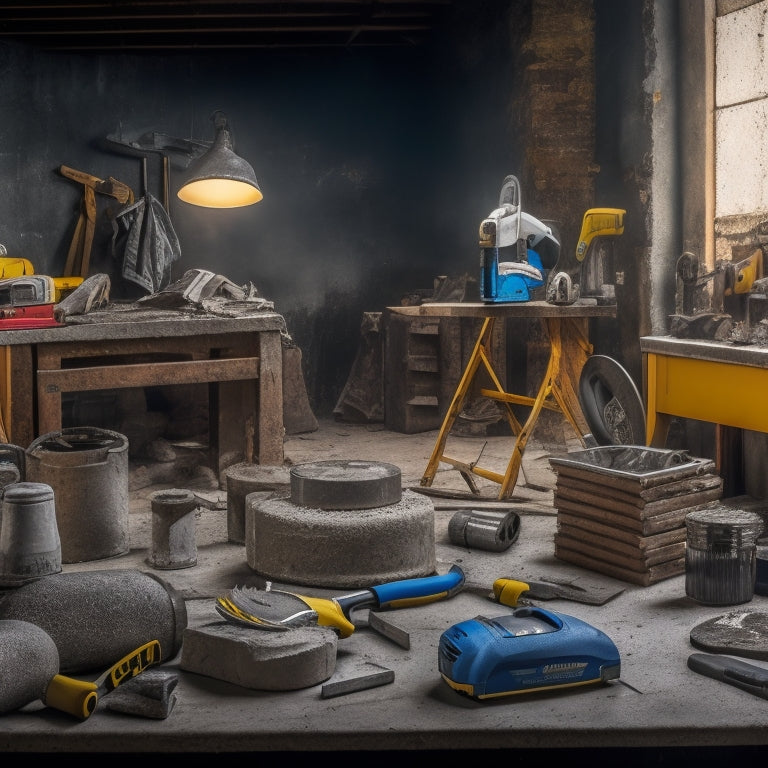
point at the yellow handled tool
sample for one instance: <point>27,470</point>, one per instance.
<point>599,222</point>
<point>508,591</point>
<point>79,697</point>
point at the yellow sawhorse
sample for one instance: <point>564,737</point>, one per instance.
<point>569,347</point>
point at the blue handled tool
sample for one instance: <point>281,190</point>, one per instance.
<point>531,649</point>
<point>277,610</point>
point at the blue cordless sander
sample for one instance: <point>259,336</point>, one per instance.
<point>531,649</point>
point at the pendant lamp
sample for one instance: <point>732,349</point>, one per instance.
<point>220,178</point>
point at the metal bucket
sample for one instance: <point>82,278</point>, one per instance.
<point>87,468</point>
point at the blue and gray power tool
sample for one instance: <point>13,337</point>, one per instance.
<point>516,250</point>
<point>531,649</point>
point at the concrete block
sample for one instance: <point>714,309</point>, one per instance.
<point>260,659</point>
<point>149,694</point>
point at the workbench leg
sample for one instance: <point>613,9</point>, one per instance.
<point>657,429</point>
<point>271,432</point>
<point>656,424</point>
<point>457,403</point>
<point>19,394</point>
<point>48,410</point>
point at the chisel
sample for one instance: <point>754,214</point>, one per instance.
<point>748,677</point>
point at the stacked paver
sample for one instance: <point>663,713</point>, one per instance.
<point>621,509</point>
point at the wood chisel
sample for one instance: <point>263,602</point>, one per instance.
<point>748,677</point>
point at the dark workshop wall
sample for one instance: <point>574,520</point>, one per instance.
<point>622,152</point>
<point>376,167</point>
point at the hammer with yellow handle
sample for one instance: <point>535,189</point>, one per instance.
<point>79,697</point>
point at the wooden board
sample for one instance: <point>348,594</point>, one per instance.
<point>652,575</point>
<point>645,496</point>
<point>619,551</point>
<point>645,511</point>
<point>640,542</point>
<point>644,527</point>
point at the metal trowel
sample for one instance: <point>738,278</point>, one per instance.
<point>274,609</point>
<point>514,592</point>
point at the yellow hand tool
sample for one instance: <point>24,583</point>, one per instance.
<point>79,697</point>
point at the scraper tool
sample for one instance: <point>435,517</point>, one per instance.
<point>274,609</point>
<point>79,697</point>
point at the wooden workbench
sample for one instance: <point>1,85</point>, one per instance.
<point>569,347</point>
<point>240,358</point>
<point>713,381</point>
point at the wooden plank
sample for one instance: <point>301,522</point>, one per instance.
<point>653,575</point>
<point>522,309</point>
<point>644,496</point>
<point>672,536</point>
<point>619,551</point>
<point>50,355</point>
<point>652,509</point>
<point>146,375</point>
<point>646,527</point>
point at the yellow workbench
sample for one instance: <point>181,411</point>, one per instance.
<point>713,381</point>
<point>568,332</point>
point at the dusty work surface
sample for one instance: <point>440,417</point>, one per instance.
<point>658,702</point>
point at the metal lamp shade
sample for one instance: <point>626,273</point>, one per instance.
<point>220,178</point>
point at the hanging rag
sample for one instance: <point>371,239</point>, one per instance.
<point>143,232</point>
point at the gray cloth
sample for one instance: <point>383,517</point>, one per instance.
<point>145,234</point>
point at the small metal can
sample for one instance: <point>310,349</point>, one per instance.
<point>720,554</point>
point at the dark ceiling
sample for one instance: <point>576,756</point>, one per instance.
<point>132,26</point>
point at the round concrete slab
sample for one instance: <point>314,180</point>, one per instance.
<point>345,484</point>
<point>293,544</point>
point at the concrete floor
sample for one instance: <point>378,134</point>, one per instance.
<point>659,712</point>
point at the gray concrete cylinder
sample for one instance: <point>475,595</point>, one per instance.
<point>29,538</point>
<point>29,659</point>
<point>173,529</point>
<point>340,548</point>
<point>88,471</point>
<point>97,617</point>
<point>242,480</point>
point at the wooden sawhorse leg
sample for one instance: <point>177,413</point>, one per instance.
<point>550,389</point>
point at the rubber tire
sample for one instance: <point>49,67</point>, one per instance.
<point>602,380</point>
